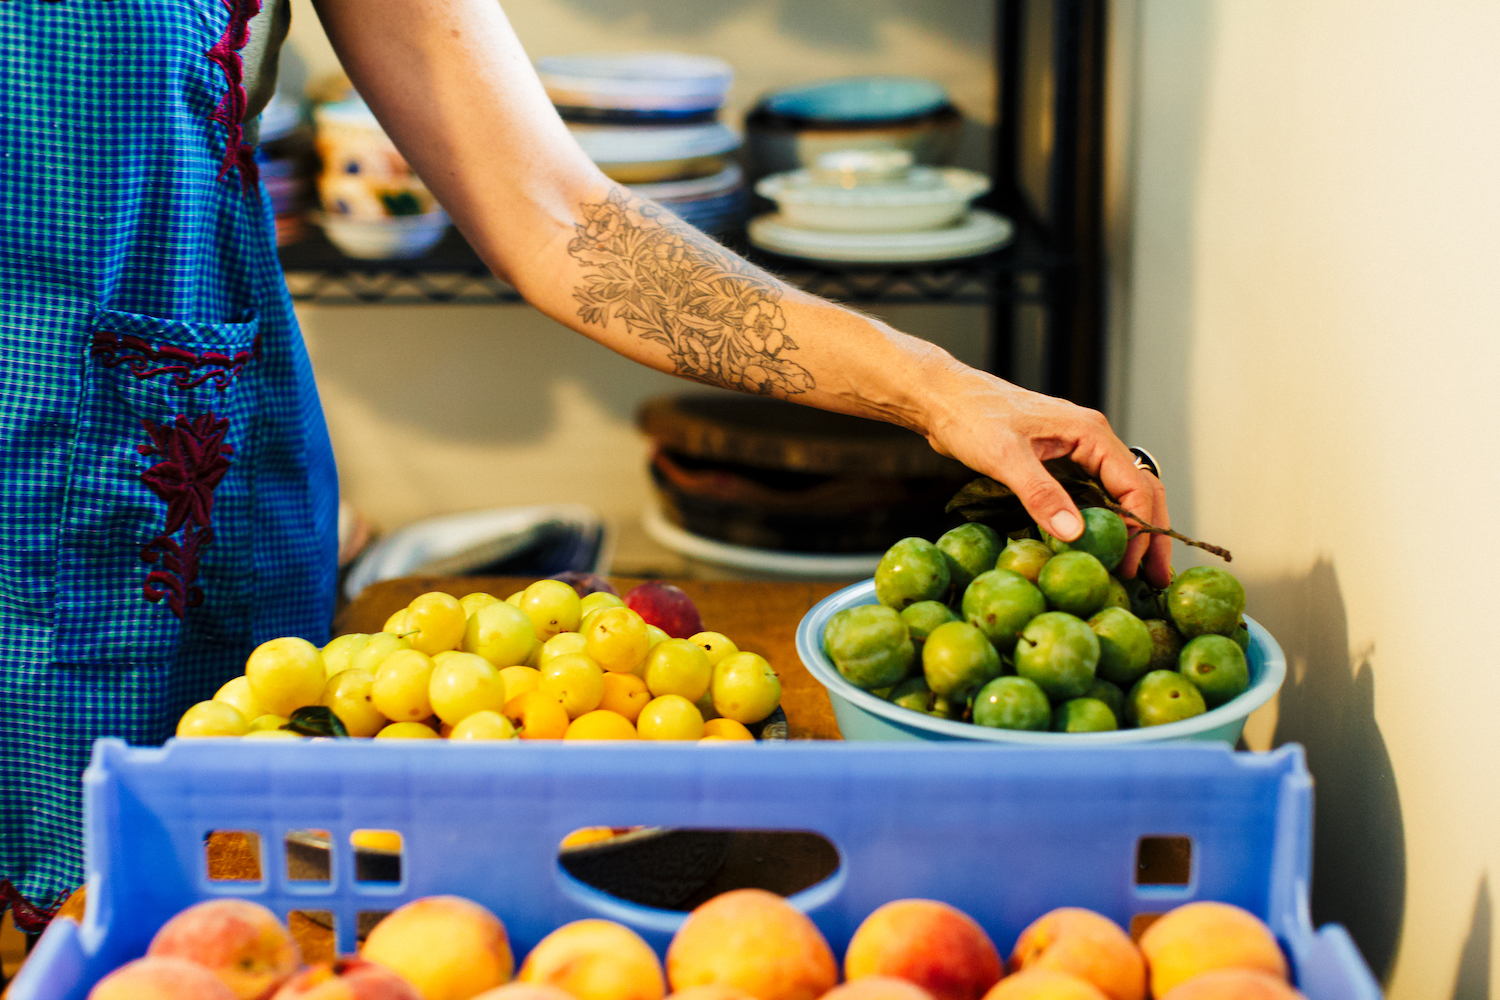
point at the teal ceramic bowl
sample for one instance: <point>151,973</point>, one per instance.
<point>862,716</point>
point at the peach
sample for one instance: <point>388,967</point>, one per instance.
<point>710,991</point>
<point>932,944</point>
<point>241,942</point>
<point>1234,984</point>
<point>878,988</point>
<point>1044,984</point>
<point>447,947</point>
<point>162,978</point>
<point>596,960</point>
<point>525,991</point>
<point>1087,944</point>
<point>347,978</point>
<point>755,941</point>
<point>1199,937</point>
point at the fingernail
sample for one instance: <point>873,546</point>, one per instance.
<point>1066,525</point>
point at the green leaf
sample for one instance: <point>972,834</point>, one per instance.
<point>997,505</point>
<point>316,720</point>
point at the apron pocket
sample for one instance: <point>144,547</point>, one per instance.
<point>154,543</point>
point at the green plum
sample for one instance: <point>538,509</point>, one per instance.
<point>1026,556</point>
<point>924,616</point>
<point>1104,537</point>
<point>971,549</point>
<point>946,708</point>
<point>912,570</point>
<point>1059,652</point>
<point>1205,600</point>
<point>957,660</point>
<point>1000,603</point>
<point>1242,636</point>
<point>1074,582</point>
<point>1110,694</point>
<point>1216,665</point>
<point>1118,596</point>
<point>1163,696</point>
<point>1012,703</point>
<point>1084,715</point>
<point>913,693</point>
<point>1166,644</point>
<point>870,645</point>
<point>1124,646</point>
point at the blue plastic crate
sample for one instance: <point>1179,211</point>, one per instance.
<point>1003,833</point>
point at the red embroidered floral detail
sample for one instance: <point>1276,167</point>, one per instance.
<point>30,918</point>
<point>179,568</point>
<point>231,109</point>
<point>146,360</point>
<point>194,458</point>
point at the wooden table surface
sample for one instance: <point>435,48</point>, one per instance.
<point>760,617</point>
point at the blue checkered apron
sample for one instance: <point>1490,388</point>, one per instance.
<point>168,489</point>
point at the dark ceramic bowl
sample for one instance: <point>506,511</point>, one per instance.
<point>790,129</point>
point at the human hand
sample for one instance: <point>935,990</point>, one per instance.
<point>1006,433</point>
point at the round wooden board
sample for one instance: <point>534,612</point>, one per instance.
<point>773,434</point>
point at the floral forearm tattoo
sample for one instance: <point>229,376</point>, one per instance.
<point>720,319</point>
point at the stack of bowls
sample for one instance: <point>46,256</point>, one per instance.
<point>650,121</point>
<point>876,206</point>
<point>791,128</point>
<point>374,206</point>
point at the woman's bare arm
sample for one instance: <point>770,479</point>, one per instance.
<point>451,84</point>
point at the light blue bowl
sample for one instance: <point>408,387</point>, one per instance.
<point>862,716</point>
<point>859,99</point>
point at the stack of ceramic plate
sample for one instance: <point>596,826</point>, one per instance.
<point>649,120</point>
<point>874,206</point>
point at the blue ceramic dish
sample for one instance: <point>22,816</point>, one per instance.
<point>863,716</point>
<point>859,99</point>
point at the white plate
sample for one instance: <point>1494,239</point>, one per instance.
<point>926,198</point>
<point>636,81</point>
<point>811,565</point>
<point>723,182</point>
<point>979,232</point>
<point>606,144</point>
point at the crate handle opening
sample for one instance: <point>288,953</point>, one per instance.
<point>671,871</point>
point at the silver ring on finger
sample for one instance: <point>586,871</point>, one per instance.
<point>1144,460</point>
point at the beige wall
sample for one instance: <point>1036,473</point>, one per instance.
<point>435,409</point>
<point>1313,346</point>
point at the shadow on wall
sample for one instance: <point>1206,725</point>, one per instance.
<point>1474,962</point>
<point>850,25</point>
<point>1328,705</point>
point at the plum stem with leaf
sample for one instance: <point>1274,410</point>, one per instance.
<point>986,499</point>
